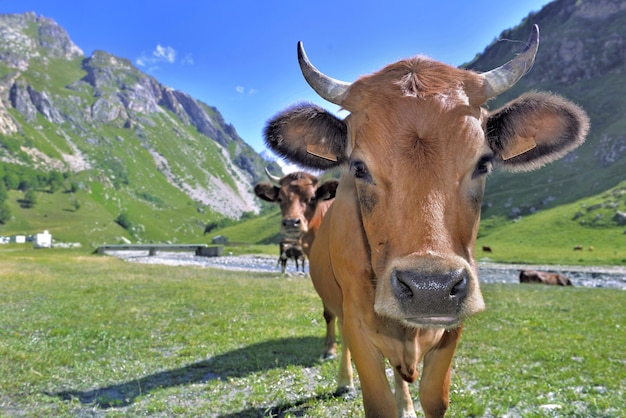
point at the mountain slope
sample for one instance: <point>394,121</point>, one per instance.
<point>102,117</point>
<point>128,145</point>
<point>582,55</point>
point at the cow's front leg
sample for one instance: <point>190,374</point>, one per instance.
<point>403,397</point>
<point>435,381</point>
<point>378,400</point>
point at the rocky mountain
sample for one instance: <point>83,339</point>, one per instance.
<point>582,55</point>
<point>114,127</point>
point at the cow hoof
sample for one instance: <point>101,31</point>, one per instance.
<point>328,356</point>
<point>346,392</point>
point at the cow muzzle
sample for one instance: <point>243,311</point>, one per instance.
<point>293,227</point>
<point>429,292</point>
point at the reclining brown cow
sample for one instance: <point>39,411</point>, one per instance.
<point>394,257</point>
<point>303,203</point>
<point>532,276</point>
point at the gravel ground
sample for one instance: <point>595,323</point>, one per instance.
<point>610,277</point>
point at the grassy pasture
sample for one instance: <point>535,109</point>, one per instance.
<point>86,335</point>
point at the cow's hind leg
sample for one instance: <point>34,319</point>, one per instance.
<point>330,342</point>
<point>435,381</point>
<point>345,383</point>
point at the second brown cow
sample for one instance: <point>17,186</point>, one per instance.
<point>303,201</point>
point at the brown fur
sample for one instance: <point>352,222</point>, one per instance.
<point>393,258</point>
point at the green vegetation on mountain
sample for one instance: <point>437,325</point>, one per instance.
<point>125,145</point>
<point>140,161</point>
<point>582,54</point>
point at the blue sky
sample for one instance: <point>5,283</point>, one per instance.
<point>240,56</point>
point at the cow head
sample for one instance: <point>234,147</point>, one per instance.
<point>416,150</point>
<point>298,195</point>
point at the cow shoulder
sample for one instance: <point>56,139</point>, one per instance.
<point>308,135</point>
<point>266,191</point>
<point>535,129</point>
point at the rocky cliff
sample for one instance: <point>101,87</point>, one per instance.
<point>582,55</point>
<point>103,117</point>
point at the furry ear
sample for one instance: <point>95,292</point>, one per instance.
<point>535,129</point>
<point>327,190</point>
<point>308,135</point>
<point>266,191</point>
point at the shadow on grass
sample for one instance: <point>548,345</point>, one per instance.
<point>303,351</point>
<point>297,408</point>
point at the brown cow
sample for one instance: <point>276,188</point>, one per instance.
<point>290,248</point>
<point>394,258</point>
<point>532,276</point>
<point>303,203</point>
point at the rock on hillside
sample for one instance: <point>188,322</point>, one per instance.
<point>582,55</point>
<point>72,113</point>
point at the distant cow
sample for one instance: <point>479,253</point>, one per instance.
<point>486,249</point>
<point>578,248</point>
<point>290,249</point>
<point>394,256</point>
<point>303,202</point>
<point>532,276</point>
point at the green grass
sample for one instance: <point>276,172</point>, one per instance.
<point>550,236</point>
<point>82,334</point>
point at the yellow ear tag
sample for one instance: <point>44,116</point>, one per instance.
<point>318,152</point>
<point>520,145</point>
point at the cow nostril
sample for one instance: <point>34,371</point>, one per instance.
<point>291,223</point>
<point>460,288</point>
<point>400,287</point>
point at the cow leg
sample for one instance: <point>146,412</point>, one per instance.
<point>378,400</point>
<point>403,397</point>
<point>435,381</point>
<point>330,342</point>
<point>345,384</point>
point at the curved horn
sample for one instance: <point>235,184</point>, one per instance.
<point>275,180</point>
<point>328,88</point>
<point>504,77</point>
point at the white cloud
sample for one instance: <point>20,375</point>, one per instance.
<point>243,90</point>
<point>165,53</point>
<point>161,54</point>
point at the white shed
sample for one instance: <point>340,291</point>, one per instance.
<point>43,240</point>
<point>18,239</point>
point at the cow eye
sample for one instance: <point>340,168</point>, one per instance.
<point>360,170</point>
<point>484,166</point>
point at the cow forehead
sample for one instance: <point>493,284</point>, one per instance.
<point>413,99</point>
<point>444,126</point>
<point>302,187</point>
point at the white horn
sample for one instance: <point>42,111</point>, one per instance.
<point>504,77</point>
<point>328,88</point>
<point>275,180</point>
